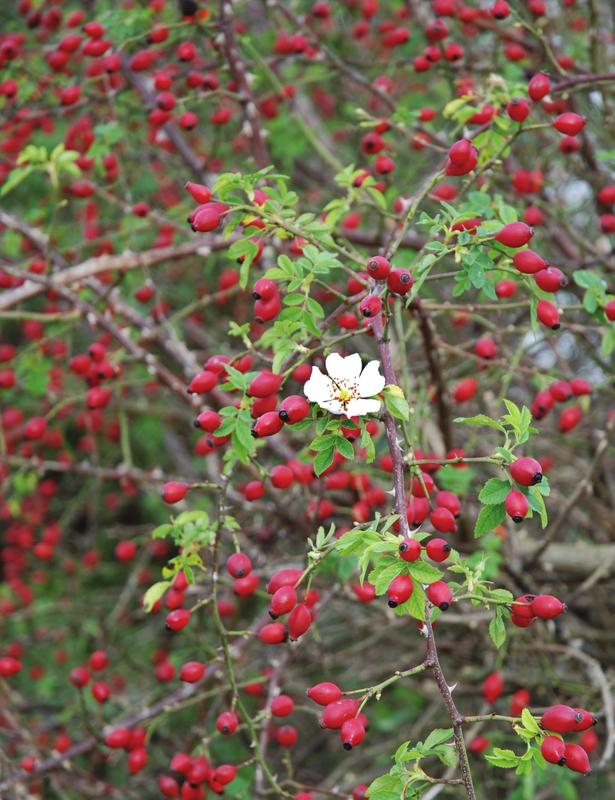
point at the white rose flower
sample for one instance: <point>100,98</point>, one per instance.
<point>347,387</point>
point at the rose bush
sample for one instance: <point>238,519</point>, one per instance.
<point>306,430</point>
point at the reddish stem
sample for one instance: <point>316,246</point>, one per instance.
<point>399,480</point>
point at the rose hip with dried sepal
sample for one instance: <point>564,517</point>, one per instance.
<point>560,719</point>
<point>410,549</point>
<point>553,750</point>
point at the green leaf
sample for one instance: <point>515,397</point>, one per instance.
<point>529,723</point>
<point>587,279</point>
<point>395,402</point>
<point>286,265</point>
<point>32,154</point>
<point>384,572</point>
<point>423,572</point>
<point>247,257</point>
<point>405,753</point>
<point>33,375</point>
<point>323,460</point>
<point>489,518</point>
<point>438,736</point>
<point>154,593</point>
<point>494,492</point>
<point>591,299</point>
<point>453,106</point>
<point>323,442</point>
<point>344,447</point>
<point>481,420</point>
<point>238,330</point>
<point>161,531</point>
<point>506,759</point>
<point>237,379</point>
<point>355,540</point>
<point>507,213</point>
<point>506,454</point>
<point>367,443</point>
<point>607,344</point>
<point>415,606</point>
<point>537,503</point>
<point>310,324</point>
<point>314,307</point>
<point>519,419</point>
<point>386,787</point>
<point>497,629</point>
<point>15,177</point>
<point>446,754</point>
<point>243,434</point>
<point>191,516</point>
<point>502,594</point>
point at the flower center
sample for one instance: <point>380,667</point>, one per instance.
<point>344,395</point>
<point>345,391</point>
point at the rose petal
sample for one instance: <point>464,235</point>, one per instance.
<point>318,387</point>
<point>371,381</point>
<point>358,408</point>
<point>344,369</point>
<point>332,405</point>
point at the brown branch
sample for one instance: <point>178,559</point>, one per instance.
<point>165,376</point>
<point>94,266</point>
<point>577,80</point>
<point>397,456</point>
<point>401,509</point>
<point>456,718</point>
<point>252,118</point>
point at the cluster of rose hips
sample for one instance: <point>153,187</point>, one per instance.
<point>401,588</point>
<point>93,367</point>
<point>340,713</point>
<point>133,741</point>
<point>606,199</point>
<point>207,215</point>
<point>80,676</point>
<point>526,472</point>
<point>560,719</point>
<point>563,719</point>
<point>96,52</point>
<point>193,776</point>
<point>561,392</point>
<point>285,600</point>
<point>442,512</point>
<point>527,608</point>
<point>549,279</point>
<point>280,707</point>
<point>397,281</point>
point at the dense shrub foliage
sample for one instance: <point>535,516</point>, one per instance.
<point>306,466</point>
